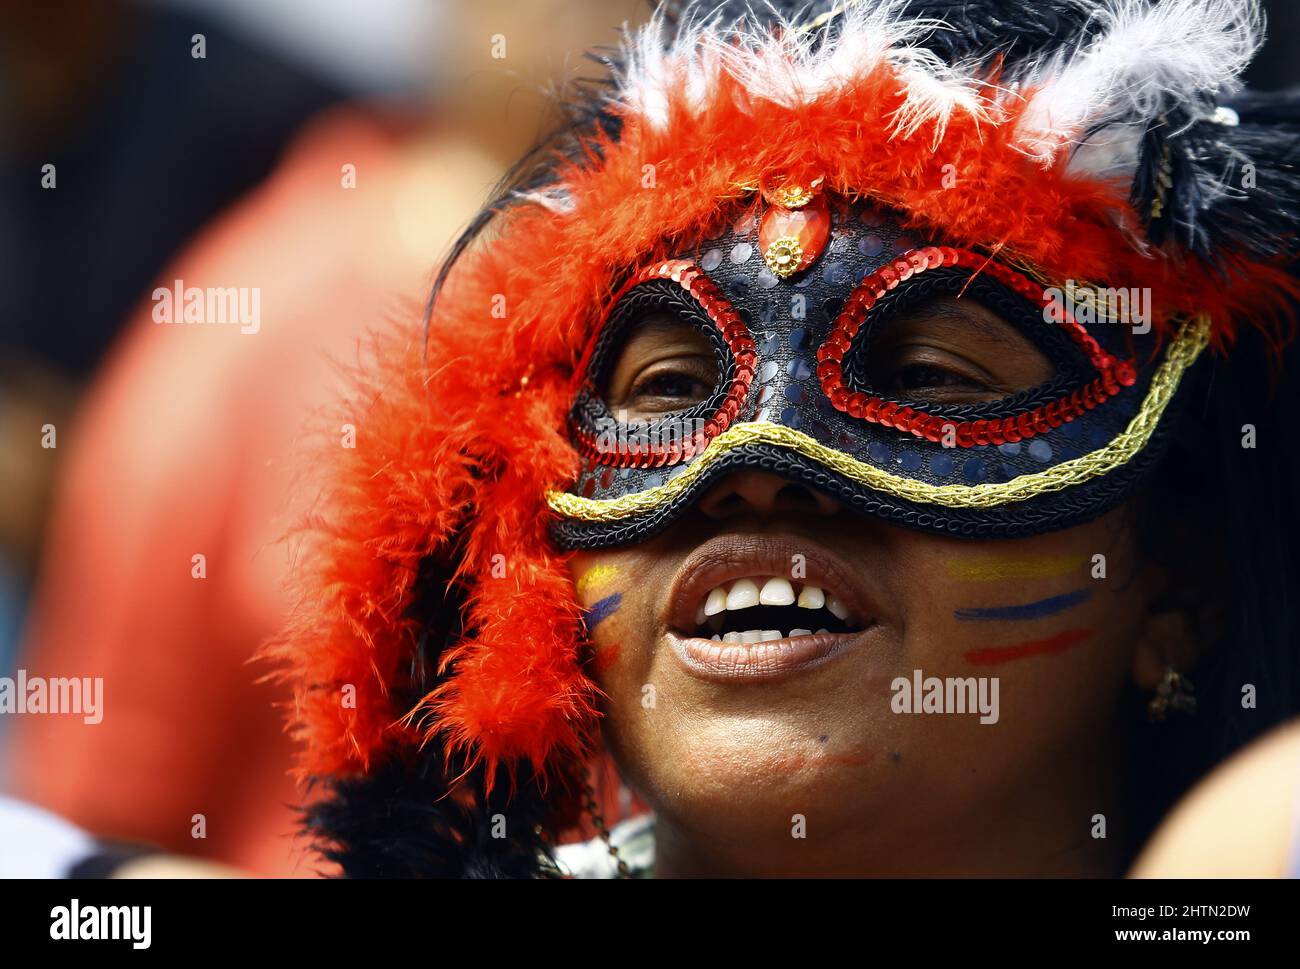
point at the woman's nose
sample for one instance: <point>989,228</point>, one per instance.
<point>765,494</point>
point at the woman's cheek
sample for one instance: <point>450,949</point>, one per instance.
<point>606,592</point>
<point>1049,621</point>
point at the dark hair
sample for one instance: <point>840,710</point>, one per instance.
<point>1224,517</point>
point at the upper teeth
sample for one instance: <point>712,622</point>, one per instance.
<point>743,594</point>
<point>776,592</point>
<point>811,597</point>
<point>773,591</point>
<point>716,602</point>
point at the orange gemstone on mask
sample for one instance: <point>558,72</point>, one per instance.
<point>792,239</point>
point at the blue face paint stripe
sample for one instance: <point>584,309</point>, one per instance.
<point>1030,610</point>
<point>603,609</point>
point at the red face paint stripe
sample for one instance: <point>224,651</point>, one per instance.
<point>605,658</point>
<point>994,655</point>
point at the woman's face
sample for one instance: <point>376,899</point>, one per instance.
<point>811,750</point>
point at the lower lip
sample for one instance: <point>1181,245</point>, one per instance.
<point>758,662</point>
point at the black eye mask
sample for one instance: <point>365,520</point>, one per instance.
<point>794,395</point>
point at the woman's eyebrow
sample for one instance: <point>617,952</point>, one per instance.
<point>662,323</point>
<point>995,330</point>
<point>660,328</point>
<point>661,336</point>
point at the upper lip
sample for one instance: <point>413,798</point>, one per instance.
<point>736,556</point>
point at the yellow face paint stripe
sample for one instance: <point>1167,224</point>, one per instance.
<point>1181,354</point>
<point>596,575</point>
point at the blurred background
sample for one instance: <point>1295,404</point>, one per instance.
<point>321,152</point>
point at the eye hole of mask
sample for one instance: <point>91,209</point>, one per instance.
<point>665,365</point>
<point>949,350</point>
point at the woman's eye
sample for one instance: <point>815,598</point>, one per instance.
<point>950,351</point>
<point>676,388</point>
<point>919,376</point>
<point>665,365</point>
<point>924,374</point>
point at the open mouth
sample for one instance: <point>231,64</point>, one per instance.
<point>760,609</point>
<point>732,616</point>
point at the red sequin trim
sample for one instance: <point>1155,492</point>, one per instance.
<point>1114,374</point>
<point>719,309</point>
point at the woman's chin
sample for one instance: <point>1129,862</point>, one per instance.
<point>745,772</point>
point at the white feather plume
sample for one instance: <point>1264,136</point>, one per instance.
<point>1145,56</point>
<point>1093,99</point>
<point>554,198</point>
<point>933,96</point>
<point>776,62</point>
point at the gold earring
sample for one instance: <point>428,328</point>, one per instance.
<point>1174,692</point>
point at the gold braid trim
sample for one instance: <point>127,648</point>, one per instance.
<point>1181,354</point>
